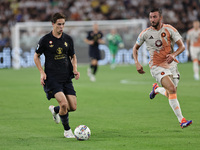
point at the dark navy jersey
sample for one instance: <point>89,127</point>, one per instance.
<point>94,51</point>
<point>57,52</point>
<point>94,37</point>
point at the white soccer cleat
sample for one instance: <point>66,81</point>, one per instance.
<point>196,76</point>
<point>68,134</point>
<point>92,78</point>
<point>56,117</point>
<point>89,72</point>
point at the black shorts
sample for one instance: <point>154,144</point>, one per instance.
<point>95,54</point>
<point>51,87</point>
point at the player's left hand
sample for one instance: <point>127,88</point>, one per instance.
<point>77,75</point>
<point>170,58</point>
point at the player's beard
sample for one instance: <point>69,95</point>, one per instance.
<point>155,25</point>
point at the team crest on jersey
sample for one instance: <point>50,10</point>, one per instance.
<point>51,44</point>
<point>66,44</point>
<point>158,43</point>
<point>163,34</point>
<point>59,50</point>
<point>162,73</point>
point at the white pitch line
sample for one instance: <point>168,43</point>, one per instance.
<point>125,81</point>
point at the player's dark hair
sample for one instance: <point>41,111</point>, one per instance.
<point>57,16</point>
<point>157,10</point>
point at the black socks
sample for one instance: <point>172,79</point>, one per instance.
<point>65,121</point>
<point>94,69</point>
<point>56,109</point>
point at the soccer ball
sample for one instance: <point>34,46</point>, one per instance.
<point>82,132</point>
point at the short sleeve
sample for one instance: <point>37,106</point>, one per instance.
<point>140,39</point>
<point>188,37</point>
<point>71,50</point>
<point>88,35</point>
<point>40,47</point>
<point>176,35</point>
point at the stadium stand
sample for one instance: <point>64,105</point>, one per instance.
<point>179,13</point>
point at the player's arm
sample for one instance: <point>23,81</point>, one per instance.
<point>181,47</point>
<point>135,57</point>
<point>74,64</point>
<point>188,47</point>
<point>101,41</point>
<point>39,66</point>
<point>90,42</point>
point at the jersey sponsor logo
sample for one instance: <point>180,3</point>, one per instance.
<point>151,37</point>
<point>158,43</point>
<point>60,55</point>
<point>163,34</point>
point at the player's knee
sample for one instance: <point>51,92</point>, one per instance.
<point>172,89</point>
<point>64,106</point>
<point>73,108</point>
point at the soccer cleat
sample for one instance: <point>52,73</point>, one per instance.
<point>89,72</point>
<point>56,117</point>
<point>92,78</point>
<point>196,76</point>
<point>185,123</point>
<point>153,93</point>
<point>68,134</point>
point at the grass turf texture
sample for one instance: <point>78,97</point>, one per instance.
<point>116,108</point>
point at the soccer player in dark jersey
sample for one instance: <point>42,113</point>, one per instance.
<point>94,38</point>
<point>60,68</point>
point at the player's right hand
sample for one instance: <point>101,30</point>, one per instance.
<point>139,68</point>
<point>43,78</point>
<point>91,42</point>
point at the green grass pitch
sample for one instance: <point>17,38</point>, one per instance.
<point>116,108</point>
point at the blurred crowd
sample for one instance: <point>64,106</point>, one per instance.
<point>179,13</point>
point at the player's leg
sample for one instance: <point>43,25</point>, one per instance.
<point>55,112</point>
<point>72,101</point>
<point>94,67</point>
<point>114,58</point>
<point>176,77</point>
<point>168,84</point>
<point>196,69</point>
<point>63,112</point>
<point>156,89</point>
<point>194,55</point>
<point>94,63</point>
<point>158,73</point>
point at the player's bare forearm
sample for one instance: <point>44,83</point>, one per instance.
<point>90,42</point>
<point>39,66</point>
<point>188,47</point>
<point>181,47</point>
<point>38,63</point>
<point>135,57</point>
<point>172,57</point>
<point>101,41</point>
<point>74,64</point>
